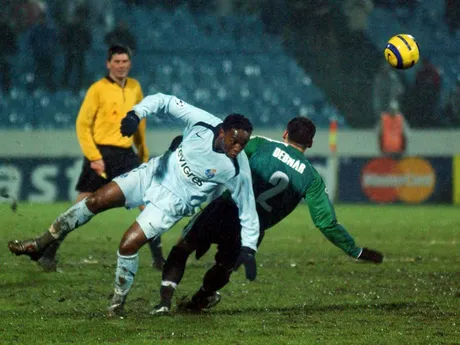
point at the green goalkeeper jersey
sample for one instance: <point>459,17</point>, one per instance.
<point>282,176</point>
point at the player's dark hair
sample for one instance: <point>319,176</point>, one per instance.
<point>237,121</point>
<point>301,131</point>
<point>118,49</point>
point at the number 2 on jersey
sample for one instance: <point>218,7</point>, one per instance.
<point>280,181</point>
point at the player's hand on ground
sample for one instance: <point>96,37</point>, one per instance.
<point>129,124</point>
<point>248,259</point>
<point>371,255</point>
<point>99,167</point>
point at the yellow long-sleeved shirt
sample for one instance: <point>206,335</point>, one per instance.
<point>98,123</point>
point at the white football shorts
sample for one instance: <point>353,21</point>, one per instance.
<point>162,209</point>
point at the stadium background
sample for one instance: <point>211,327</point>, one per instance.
<point>270,60</point>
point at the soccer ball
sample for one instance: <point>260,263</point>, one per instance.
<point>402,51</point>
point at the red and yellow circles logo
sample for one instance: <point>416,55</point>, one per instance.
<point>385,180</point>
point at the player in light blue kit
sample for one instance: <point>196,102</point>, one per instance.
<point>170,186</point>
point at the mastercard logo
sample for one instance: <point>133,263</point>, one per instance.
<point>386,180</point>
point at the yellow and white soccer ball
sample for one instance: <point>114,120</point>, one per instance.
<point>402,51</point>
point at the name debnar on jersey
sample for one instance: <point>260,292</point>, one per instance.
<point>288,160</point>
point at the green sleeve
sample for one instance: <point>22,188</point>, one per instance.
<point>253,145</point>
<point>323,216</point>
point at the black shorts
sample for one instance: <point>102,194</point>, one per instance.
<point>117,161</point>
<point>218,223</point>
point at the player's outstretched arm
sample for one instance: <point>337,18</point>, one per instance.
<point>323,216</point>
<point>240,188</point>
<point>174,108</point>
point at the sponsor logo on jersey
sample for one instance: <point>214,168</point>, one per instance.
<point>288,160</point>
<point>411,180</point>
<point>210,173</point>
<point>186,170</point>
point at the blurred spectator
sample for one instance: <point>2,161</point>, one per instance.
<point>101,16</point>
<point>247,6</point>
<point>8,47</point>
<point>357,13</point>
<point>409,4</point>
<point>43,44</point>
<point>121,36</point>
<point>169,5</point>
<point>387,89</point>
<point>452,106</point>
<point>27,13</point>
<point>452,15</point>
<point>224,7</point>
<point>199,6</point>
<point>393,130</point>
<point>76,40</point>
<point>426,95</point>
<point>274,14</point>
<point>131,3</point>
<point>63,11</point>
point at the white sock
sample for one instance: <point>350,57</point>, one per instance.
<point>124,275</point>
<point>74,217</point>
<point>168,283</point>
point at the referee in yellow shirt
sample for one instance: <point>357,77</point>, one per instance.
<point>107,153</point>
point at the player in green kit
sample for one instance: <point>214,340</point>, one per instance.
<point>282,176</point>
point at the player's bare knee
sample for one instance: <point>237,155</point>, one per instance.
<point>127,247</point>
<point>93,203</point>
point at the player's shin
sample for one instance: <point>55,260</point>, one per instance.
<point>215,279</point>
<point>157,253</point>
<point>74,217</point>
<point>173,272</point>
<point>167,290</point>
<point>124,275</point>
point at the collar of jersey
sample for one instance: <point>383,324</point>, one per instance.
<point>216,131</point>
<point>114,82</point>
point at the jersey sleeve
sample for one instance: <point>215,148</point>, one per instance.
<point>174,108</point>
<point>139,137</point>
<point>240,188</point>
<point>84,125</point>
<point>253,144</point>
<point>323,216</point>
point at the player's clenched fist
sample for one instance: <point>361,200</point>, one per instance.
<point>129,124</point>
<point>371,255</point>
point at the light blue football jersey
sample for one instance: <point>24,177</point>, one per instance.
<point>196,169</point>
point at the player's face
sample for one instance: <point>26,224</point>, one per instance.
<point>234,141</point>
<point>119,66</point>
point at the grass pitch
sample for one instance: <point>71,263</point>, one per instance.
<point>307,290</point>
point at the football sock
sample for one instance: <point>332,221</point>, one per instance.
<point>125,272</point>
<point>215,278</point>
<point>74,217</point>
<point>155,249</point>
<point>174,267</point>
<point>166,292</point>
